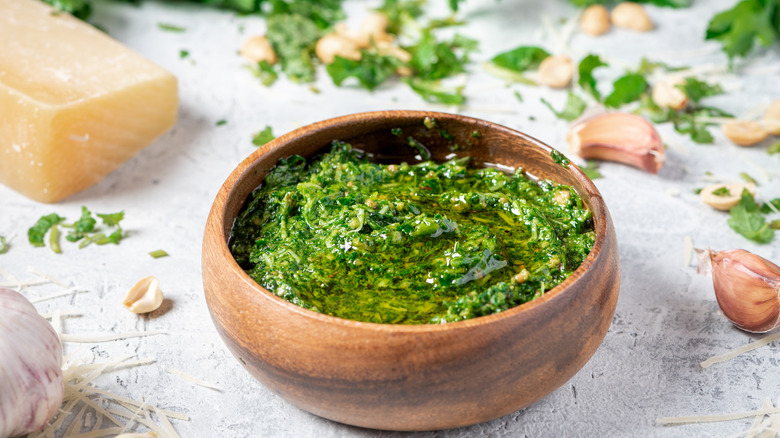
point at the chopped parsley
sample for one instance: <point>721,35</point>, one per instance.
<point>170,27</point>
<point>85,229</point>
<point>586,79</point>
<point>573,108</point>
<point>158,253</point>
<point>748,22</point>
<point>591,169</point>
<point>559,158</point>
<point>263,136</point>
<point>721,191</point>
<point>4,246</point>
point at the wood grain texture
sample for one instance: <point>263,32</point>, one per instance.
<point>401,377</point>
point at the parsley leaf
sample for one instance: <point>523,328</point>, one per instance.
<point>746,219</point>
<point>112,219</point>
<point>574,107</point>
<point>696,90</point>
<point>293,38</point>
<point>84,225</point>
<point>591,169</point>
<point>36,233</point>
<point>774,148</point>
<point>626,89</point>
<point>78,8</point>
<point>434,60</point>
<point>586,79</point>
<point>666,3</point>
<point>740,27</point>
<point>520,59</point>
<point>4,246</point>
<point>265,72</point>
<point>371,70</point>
<point>431,91</point>
<point>263,136</point>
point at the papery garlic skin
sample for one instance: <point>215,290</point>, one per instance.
<point>747,287</point>
<point>31,383</point>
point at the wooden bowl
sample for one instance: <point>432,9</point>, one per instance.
<point>411,377</point>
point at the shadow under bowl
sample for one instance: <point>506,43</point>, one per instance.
<point>411,377</point>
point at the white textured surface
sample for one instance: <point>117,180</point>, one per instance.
<point>667,320</point>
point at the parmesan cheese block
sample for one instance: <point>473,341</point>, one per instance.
<point>74,103</point>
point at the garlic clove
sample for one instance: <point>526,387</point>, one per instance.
<point>747,287</point>
<point>725,201</point>
<point>31,382</point>
<point>621,137</point>
<point>145,296</point>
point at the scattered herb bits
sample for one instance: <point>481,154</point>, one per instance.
<point>85,230</point>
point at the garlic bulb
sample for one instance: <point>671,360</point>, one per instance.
<point>747,287</point>
<point>31,384</point>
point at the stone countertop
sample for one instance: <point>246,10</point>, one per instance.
<point>667,320</point>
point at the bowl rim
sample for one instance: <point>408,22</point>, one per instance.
<point>217,222</point>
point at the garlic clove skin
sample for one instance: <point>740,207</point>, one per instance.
<point>622,137</point>
<point>145,296</point>
<point>31,382</point>
<point>747,287</point>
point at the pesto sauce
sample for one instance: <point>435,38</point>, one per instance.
<point>410,244</point>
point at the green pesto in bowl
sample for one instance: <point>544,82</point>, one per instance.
<point>408,243</point>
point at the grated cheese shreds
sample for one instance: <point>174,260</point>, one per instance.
<point>192,379</point>
<point>46,276</point>
<point>66,337</point>
<point>743,349</point>
<point>687,251</point>
<point>69,291</point>
<point>716,417</point>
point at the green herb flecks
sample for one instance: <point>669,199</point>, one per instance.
<point>410,244</point>
<point>721,191</point>
<point>263,136</point>
<point>158,253</point>
<point>170,27</point>
<point>774,148</point>
<point>85,230</point>
<point>559,158</point>
<point>371,71</point>
<point>665,3</point>
<point>591,169</point>
<point>37,232</point>
<point>4,246</point>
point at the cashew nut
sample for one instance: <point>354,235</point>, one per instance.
<point>257,48</point>
<point>595,20</point>
<point>145,296</point>
<point>332,45</point>
<point>632,16</point>
<point>725,196</point>
<point>743,132</point>
<point>666,94</point>
<point>771,119</point>
<point>556,71</point>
